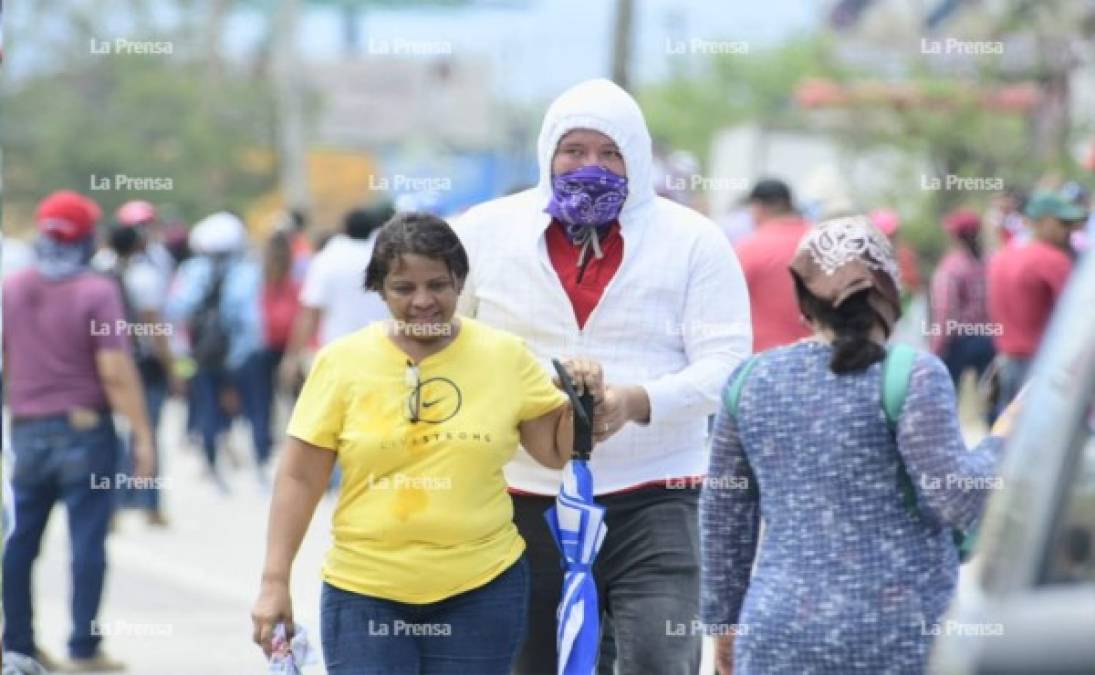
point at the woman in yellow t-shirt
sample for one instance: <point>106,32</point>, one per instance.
<point>426,572</point>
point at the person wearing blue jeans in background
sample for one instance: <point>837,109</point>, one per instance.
<point>143,293</point>
<point>222,277</point>
<point>68,368</point>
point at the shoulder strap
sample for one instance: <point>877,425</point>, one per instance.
<point>219,270</point>
<point>734,388</point>
<point>896,371</point>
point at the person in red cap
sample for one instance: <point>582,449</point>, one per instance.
<point>72,369</point>
<point>960,333</point>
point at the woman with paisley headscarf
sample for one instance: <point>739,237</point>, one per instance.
<point>861,498</point>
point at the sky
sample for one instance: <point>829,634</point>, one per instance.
<point>535,48</point>
<point>539,50</point>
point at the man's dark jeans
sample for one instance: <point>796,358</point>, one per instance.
<point>648,581</point>
<point>56,462</point>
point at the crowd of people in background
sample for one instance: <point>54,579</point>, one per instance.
<point>991,293</point>
<point>118,313</point>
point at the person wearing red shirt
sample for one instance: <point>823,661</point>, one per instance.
<point>765,256</point>
<point>68,370</point>
<point>1025,282</point>
<point>960,332</point>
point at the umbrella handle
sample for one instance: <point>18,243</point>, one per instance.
<point>583,428</point>
<point>583,414</point>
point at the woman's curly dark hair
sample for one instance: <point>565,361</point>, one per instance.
<point>419,234</point>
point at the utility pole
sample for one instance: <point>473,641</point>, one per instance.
<point>292,146</point>
<point>621,43</point>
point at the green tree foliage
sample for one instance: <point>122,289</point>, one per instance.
<point>756,87</point>
<point>138,116</point>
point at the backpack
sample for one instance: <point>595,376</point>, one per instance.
<point>148,365</point>
<point>208,337</point>
<point>896,372</point>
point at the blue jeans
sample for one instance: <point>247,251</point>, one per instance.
<point>968,351</point>
<point>478,631</point>
<point>1013,374</point>
<point>56,462</point>
<point>155,395</point>
<point>253,381</point>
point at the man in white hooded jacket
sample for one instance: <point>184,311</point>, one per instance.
<point>591,263</point>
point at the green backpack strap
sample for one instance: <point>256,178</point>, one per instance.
<point>732,394</point>
<point>896,372</point>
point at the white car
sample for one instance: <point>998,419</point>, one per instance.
<point>1031,606</point>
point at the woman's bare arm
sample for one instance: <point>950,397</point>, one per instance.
<point>549,438</point>
<point>302,477</point>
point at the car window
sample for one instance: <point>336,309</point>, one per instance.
<point>1071,559</point>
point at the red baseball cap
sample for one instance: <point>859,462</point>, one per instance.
<point>962,221</point>
<point>136,212</point>
<point>67,216</point>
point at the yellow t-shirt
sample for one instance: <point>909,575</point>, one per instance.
<point>423,513</point>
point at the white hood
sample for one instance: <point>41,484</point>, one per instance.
<point>602,106</point>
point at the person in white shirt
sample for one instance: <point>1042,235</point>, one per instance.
<point>143,217</point>
<point>591,263</point>
<point>332,301</point>
<point>143,289</point>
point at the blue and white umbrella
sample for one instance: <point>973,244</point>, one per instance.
<point>577,523</point>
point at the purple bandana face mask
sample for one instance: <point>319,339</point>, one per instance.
<point>586,198</point>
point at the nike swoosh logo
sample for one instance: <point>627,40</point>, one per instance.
<point>427,404</point>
